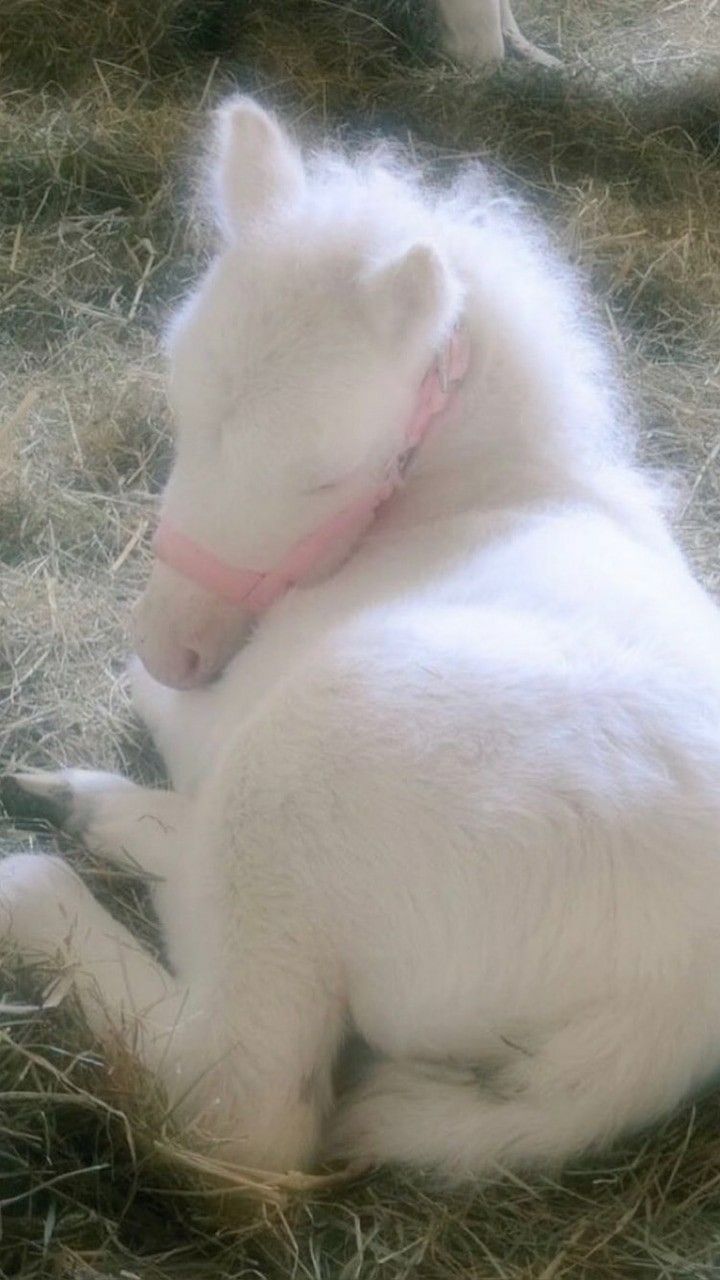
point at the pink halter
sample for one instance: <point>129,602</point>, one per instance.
<point>256,590</point>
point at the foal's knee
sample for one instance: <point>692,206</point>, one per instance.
<point>40,897</point>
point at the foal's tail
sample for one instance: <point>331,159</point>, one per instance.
<point>587,1083</point>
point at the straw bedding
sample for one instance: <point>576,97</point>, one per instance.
<point>102,227</point>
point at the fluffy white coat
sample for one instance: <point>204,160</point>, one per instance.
<point>460,795</point>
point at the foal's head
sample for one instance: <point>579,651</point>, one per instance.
<point>294,368</point>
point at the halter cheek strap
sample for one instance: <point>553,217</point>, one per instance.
<point>257,590</point>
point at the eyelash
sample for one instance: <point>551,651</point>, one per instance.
<point>333,484</point>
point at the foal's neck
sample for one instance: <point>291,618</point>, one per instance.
<point>514,435</point>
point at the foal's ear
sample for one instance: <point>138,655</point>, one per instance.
<point>409,293</point>
<point>258,168</point>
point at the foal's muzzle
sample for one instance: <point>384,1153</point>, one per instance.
<point>184,636</point>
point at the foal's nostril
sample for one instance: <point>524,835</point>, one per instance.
<point>190,663</point>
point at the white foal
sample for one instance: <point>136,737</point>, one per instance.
<point>458,789</point>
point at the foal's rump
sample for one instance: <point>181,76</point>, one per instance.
<point>614,1067</point>
<point>537,961</point>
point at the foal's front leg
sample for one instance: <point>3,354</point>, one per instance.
<point>47,913</point>
<point>135,827</point>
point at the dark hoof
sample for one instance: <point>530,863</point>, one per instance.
<point>26,796</point>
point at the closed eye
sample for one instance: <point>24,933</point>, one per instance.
<point>323,488</point>
<point>333,484</point>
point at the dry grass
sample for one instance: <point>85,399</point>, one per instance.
<point>100,232</point>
